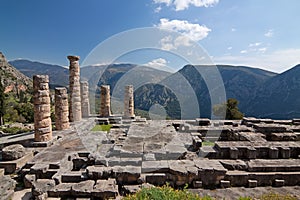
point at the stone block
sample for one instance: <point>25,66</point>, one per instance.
<point>42,186</point>
<point>285,152</point>
<point>99,172</point>
<point>278,183</point>
<point>225,184</point>
<point>197,184</point>
<point>273,153</point>
<point>83,189</point>
<point>13,152</point>
<point>160,166</point>
<point>105,189</point>
<point>252,183</point>
<point>156,178</point>
<point>127,174</point>
<point>29,179</point>
<point>251,153</point>
<point>148,157</point>
<point>234,153</point>
<point>130,189</point>
<point>61,190</point>
<point>72,177</point>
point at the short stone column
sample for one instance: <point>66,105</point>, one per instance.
<point>129,102</point>
<point>74,89</point>
<point>85,103</point>
<point>105,101</point>
<point>42,111</point>
<point>61,109</point>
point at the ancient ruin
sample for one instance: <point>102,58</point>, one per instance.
<point>41,100</point>
<point>74,89</point>
<point>136,152</point>
<point>128,101</point>
<point>61,109</point>
<point>85,103</point>
<point>105,101</point>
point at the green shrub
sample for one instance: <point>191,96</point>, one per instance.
<point>164,193</point>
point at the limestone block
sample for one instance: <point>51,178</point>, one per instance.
<point>233,153</point>
<point>197,184</point>
<point>83,188</point>
<point>156,178</point>
<point>273,153</point>
<point>105,189</point>
<point>225,184</point>
<point>252,183</point>
<point>278,183</point>
<point>13,152</point>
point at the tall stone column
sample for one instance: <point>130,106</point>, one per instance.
<point>105,101</point>
<point>128,102</point>
<point>85,103</point>
<point>61,109</point>
<point>42,111</point>
<point>74,89</point>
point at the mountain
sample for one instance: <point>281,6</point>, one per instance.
<point>239,82</point>
<point>12,79</point>
<point>58,75</point>
<point>278,97</point>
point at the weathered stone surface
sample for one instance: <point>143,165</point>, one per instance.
<point>105,189</point>
<point>99,172</point>
<point>74,89</point>
<point>234,164</point>
<point>42,120</point>
<point>61,109</point>
<point>61,190</point>
<point>275,165</point>
<point>126,174</point>
<point>7,186</point>
<point>41,187</point>
<point>105,101</point>
<point>156,178</point>
<point>29,179</point>
<point>160,166</point>
<point>83,189</point>
<point>128,102</point>
<point>13,152</point>
<point>85,103</point>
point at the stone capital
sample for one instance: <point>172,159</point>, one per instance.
<point>73,58</point>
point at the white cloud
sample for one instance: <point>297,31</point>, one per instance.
<point>195,32</point>
<point>157,63</point>
<point>255,44</point>
<point>185,4</point>
<point>244,51</point>
<point>233,29</point>
<point>167,2</point>
<point>269,33</point>
<point>158,9</point>
<point>277,61</point>
<point>262,50</point>
<point>229,48</point>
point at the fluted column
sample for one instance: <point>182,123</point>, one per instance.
<point>85,103</point>
<point>74,89</point>
<point>128,101</point>
<point>61,109</point>
<point>105,101</point>
<point>42,111</point>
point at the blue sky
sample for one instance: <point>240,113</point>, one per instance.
<point>258,33</point>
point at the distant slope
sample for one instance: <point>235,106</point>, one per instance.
<point>12,79</point>
<point>279,97</point>
<point>58,75</point>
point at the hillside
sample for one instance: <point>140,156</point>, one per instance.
<point>279,97</point>
<point>58,75</point>
<point>12,79</point>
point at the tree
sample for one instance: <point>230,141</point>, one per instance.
<point>2,99</point>
<point>231,109</point>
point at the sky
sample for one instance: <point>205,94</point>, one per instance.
<point>258,33</point>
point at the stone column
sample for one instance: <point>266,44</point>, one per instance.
<point>61,109</point>
<point>74,89</point>
<point>85,103</point>
<point>42,111</point>
<point>105,101</point>
<point>128,102</point>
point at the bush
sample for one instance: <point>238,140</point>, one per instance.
<point>164,193</point>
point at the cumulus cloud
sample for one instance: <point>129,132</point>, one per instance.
<point>185,4</point>
<point>229,48</point>
<point>195,32</point>
<point>255,44</point>
<point>269,33</point>
<point>159,62</point>
<point>243,51</point>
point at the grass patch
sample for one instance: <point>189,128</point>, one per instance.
<point>208,143</point>
<point>102,127</point>
<point>164,193</point>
